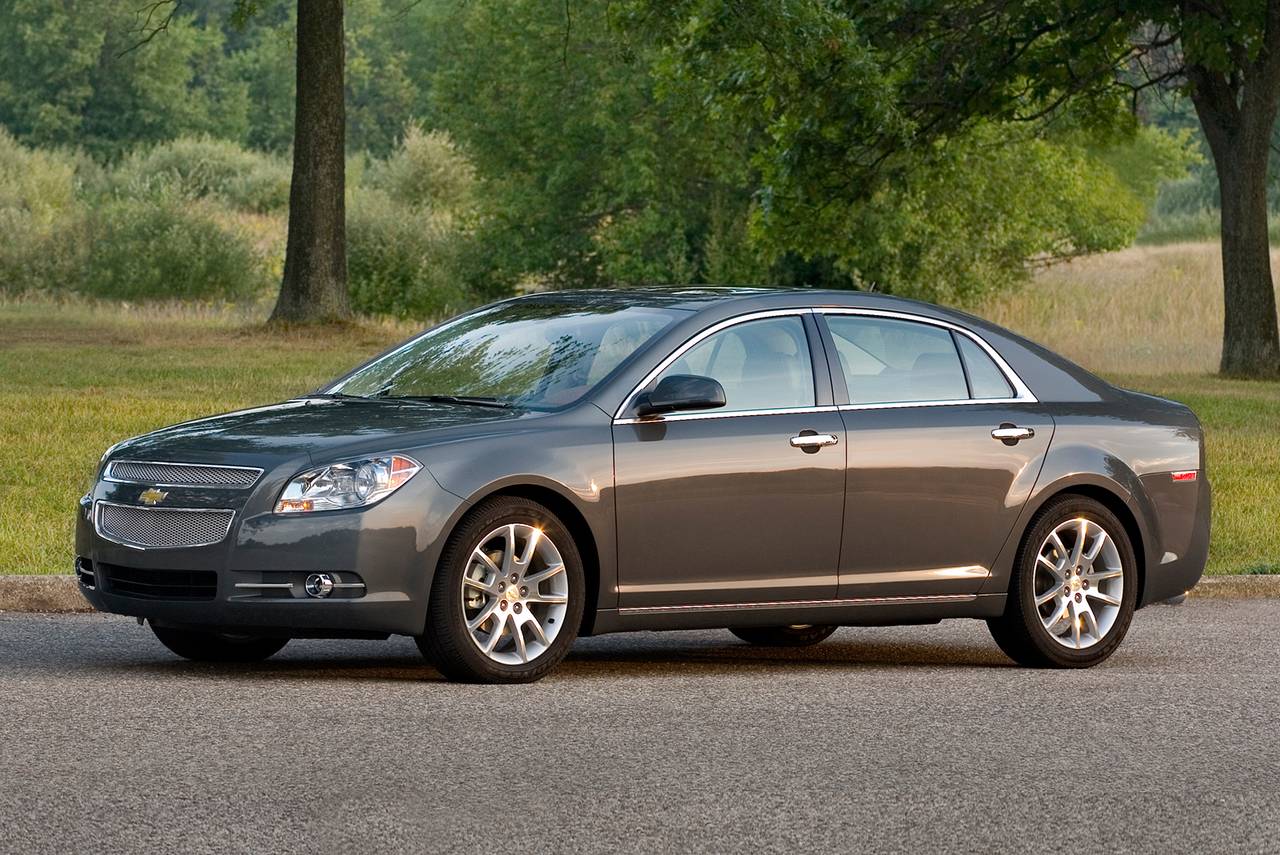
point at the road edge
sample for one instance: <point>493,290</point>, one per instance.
<point>58,594</point>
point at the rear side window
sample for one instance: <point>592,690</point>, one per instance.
<point>888,361</point>
<point>986,380</point>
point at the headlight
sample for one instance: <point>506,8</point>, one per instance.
<point>354,484</point>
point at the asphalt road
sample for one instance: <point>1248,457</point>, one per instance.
<point>900,739</point>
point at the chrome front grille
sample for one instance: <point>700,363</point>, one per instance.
<point>182,474</point>
<point>161,528</point>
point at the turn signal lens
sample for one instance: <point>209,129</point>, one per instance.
<point>352,484</point>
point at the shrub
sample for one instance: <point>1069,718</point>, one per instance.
<point>39,184</point>
<point>402,260</point>
<point>37,202</point>
<point>200,168</point>
<point>426,169</point>
<point>169,249</point>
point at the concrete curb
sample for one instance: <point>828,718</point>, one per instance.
<point>61,594</point>
<point>1237,587</point>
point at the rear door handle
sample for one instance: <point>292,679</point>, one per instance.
<point>1010,434</point>
<point>809,441</point>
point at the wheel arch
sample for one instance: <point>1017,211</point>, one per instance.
<point>1110,497</point>
<point>575,521</point>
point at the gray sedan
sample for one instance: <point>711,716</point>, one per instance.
<point>777,463</point>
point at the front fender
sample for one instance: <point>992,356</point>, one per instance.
<point>572,459</point>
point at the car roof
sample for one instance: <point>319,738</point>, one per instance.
<point>699,297</point>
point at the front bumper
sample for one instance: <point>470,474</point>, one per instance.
<point>391,547</point>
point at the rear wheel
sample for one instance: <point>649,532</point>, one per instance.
<point>205,646</point>
<point>796,635</point>
<point>1074,588</point>
<point>508,595</point>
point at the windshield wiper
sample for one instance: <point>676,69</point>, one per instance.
<point>338,396</point>
<point>468,400</point>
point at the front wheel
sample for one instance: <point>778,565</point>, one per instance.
<point>1074,588</point>
<point>204,646</point>
<point>508,595</point>
<point>796,635</point>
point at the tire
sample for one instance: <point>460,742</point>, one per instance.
<point>204,646</point>
<point>799,635</point>
<point>1022,631</point>
<point>554,602</point>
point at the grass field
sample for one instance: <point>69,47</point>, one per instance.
<point>74,378</point>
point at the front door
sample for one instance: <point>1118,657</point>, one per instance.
<point>944,448</point>
<point>740,504</point>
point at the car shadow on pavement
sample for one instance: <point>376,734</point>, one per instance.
<point>607,657</point>
<point>731,657</point>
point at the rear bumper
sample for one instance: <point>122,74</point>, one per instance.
<point>1180,545</point>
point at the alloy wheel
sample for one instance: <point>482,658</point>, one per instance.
<point>515,593</point>
<point>1079,583</point>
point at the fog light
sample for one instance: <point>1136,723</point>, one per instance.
<point>319,585</point>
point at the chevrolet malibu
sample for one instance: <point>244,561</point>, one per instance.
<point>777,463</point>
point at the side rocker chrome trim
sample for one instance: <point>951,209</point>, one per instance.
<point>782,604</point>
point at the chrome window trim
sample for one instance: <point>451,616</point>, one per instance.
<point>692,342</point>
<point>1022,393</point>
<point>698,416</point>
<point>110,468</point>
<point>97,524</point>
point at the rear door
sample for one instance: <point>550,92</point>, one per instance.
<point>945,444</point>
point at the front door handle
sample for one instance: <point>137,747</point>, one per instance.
<point>810,441</point>
<point>1010,434</point>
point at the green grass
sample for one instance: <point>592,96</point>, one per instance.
<point>77,377</point>
<point>1242,443</point>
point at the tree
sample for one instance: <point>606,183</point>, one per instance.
<point>1232,68</point>
<point>314,287</point>
<point>587,177</point>
<point>848,99</point>
<point>607,155</point>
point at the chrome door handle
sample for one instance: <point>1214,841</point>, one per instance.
<point>1010,434</point>
<point>814,440</point>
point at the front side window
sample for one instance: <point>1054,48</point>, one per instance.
<point>888,361</point>
<point>762,364</point>
<point>538,354</point>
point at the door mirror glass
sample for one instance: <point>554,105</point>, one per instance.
<point>681,392</point>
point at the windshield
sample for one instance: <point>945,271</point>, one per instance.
<point>540,354</point>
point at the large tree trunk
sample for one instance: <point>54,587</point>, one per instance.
<point>1250,340</point>
<point>1237,112</point>
<point>314,289</point>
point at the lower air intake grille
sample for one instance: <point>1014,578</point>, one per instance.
<point>162,528</point>
<point>158,584</point>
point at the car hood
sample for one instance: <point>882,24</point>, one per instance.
<point>314,429</point>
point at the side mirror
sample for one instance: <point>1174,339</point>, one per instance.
<point>680,392</point>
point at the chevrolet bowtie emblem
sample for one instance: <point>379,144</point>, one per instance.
<point>152,496</point>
